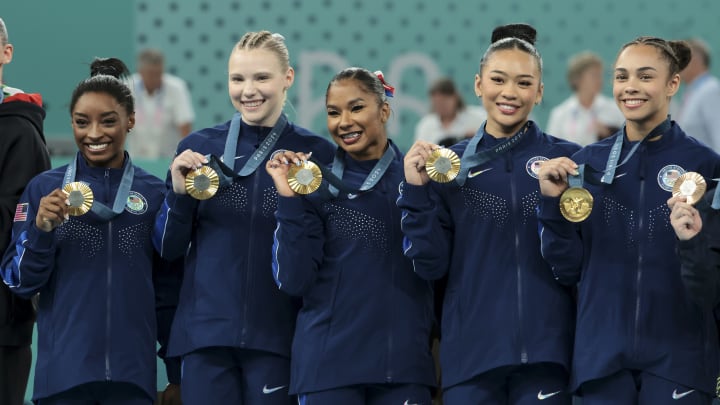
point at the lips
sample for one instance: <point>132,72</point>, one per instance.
<point>633,102</point>
<point>97,147</point>
<point>252,103</point>
<point>507,108</point>
<point>350,138</point>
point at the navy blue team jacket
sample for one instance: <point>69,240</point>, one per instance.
<point>502,306</point>
<point>96,314</point>
<point>366,317</point>
<point>228,296</point>
<point>633,312</point>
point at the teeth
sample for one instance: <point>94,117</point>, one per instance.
<point>633,102</point>
<point>507,108</point>
<point>352,135</point>
<point>99,146</point>
<point>252,103</point>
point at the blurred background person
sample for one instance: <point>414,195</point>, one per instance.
<point>587,115</point>
<point>699,105</point>
<point>450,119</point>
<point>23,154</point>
<point>164,113</point>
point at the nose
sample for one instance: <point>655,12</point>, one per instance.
<point>94,132</point>
<point>248,88</point>
<point>345,120</point>
<point>508,92</point>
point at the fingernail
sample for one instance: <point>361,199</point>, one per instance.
<point>285,161</point>
<point>67,217</point>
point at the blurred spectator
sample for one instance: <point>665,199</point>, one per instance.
<point>23,154</point>
<point>700,101</point>
<point>163,109</point>
<point>586,116</point>
<point>450,120</point>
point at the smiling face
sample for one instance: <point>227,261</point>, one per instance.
<point>642,87</point>
<point>356,120</point>
<point>510,86</point>
<point>100,125</point>
<point>257,84</point>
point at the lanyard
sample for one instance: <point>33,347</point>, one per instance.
<point>260,154</point>
<point>121,196</point>
<point>469,161</point>
<point>576,181</point>
<point>377,172</point>
<point>612,162</point>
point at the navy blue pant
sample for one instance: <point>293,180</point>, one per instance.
<point>100,393</point>
<point>540,384</point>
<point>639,388</point>
<point>372,394</point>
<point>227,375</point>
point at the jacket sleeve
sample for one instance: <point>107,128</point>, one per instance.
<point>29,260</point>
<point>427,229</point>
<point>297,246</point>
<point>174,223</point>
<point>560,242</point>
<point>167,280</point>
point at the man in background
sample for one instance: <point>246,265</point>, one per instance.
<point>701,98</point>
<point>163,109</point>
<point>23,154</point>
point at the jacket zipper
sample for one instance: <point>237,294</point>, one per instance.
<point>639,239</point>
<point>248,270</point>
<point>516,214</point>
<point>108,373</point>
<point>393,221</point>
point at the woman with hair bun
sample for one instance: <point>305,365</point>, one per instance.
<point>82,240</point>
<point>506,333</point>
<point>640,337</point>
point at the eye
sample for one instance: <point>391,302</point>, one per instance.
<point>236,79</point>
<point>525,83</point>
<point>80,122</point>
<point>620,76</point>
<point>263,78</point>
<point>332,113</point>
<point>644,76</point>
<point>497,79</point>
<point>357,108</point>
<point>109,122</point>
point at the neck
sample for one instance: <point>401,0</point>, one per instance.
<point>500,131</point>
<point>586,99</point>
<point>637,130</point>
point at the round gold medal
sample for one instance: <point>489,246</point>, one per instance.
<point>80,198</point>
<point>202,183</point>
<point>304,179</point>
<point>690,185</point>
<point>576,204</point>
<point>443,165</point>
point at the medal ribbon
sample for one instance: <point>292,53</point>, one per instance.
<point>576,181</point>
<point>716,199</point>
<point>334,177</point>
<point>609,173</point>
<point>260,154</point>
<point>121,196</point>
<point>468,161</point>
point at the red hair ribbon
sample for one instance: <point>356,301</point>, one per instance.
<point>389,90</point>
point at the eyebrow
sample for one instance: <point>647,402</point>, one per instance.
<point>641,69</point>
<point>105,114</point>
<point>505,74</point>
<point>351,102</point>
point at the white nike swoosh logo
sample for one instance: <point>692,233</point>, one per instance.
<point>682,395</point>
<point>542,396</point>
<point>267,390</point>
<point>352,196</point>
<point>239,157</point>
<point>479,172</point>
<point>407,402</point>
<point>620,175</point>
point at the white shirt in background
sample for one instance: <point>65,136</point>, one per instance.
<point>699,109</point>
<point>469,120</point>
<point>573,122</point>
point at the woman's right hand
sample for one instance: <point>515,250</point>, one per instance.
<point>553,176</point>
<point>53,210</point>
<point>181,165</point>
<point>414,163</point>
<point>278,166</point>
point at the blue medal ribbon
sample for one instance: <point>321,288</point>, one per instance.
<point>262,152</point>
<point>612,162</point>
<point>100,209</point>
<point>338,169</point>
<point>576,180</point>
<point>716,197</point>
<point>471,159</point>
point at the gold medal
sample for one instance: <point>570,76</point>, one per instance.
<point>304,179</point>
<point>690,185</point>
<point>202,183</point>
<point>443,165</point>
<point>80,198</point>
<point>576,204</point>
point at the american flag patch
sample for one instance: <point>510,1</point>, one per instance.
<point>21,212</point>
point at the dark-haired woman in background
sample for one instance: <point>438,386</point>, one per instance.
<point>506,333</point>
<point>640,337</point>
<point>96,313</point>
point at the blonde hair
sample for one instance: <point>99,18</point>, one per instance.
<point>3,33</point>
<point>266,40</point>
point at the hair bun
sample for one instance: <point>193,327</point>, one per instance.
<point>683,52</point>
<point>108,66</point>
<point>521,31</point>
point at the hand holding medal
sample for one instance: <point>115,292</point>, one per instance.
<point>690,185</point>
<point>52,210</point>
<point>293,173</point>
<point>79,198</point>
<point>415,162</point>
<point>190,176</point>
<point>443,165</point>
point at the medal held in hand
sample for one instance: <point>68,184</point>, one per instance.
<point>443,165</point>
<point>576,202</point>
<point>690,185</point>
<point>80,198</point>
<point>202,183</point>
<point>304,178</point>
